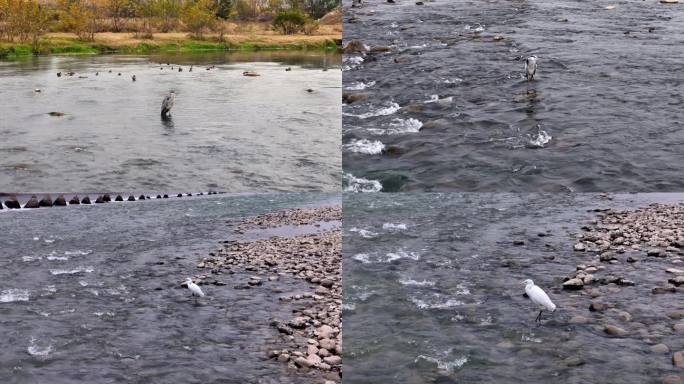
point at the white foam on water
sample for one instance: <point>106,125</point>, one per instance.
<point>366,234</point>
<point>368,147</point>
<point>34,349</point>
<point>28,259</point>
<point>83,283</point>
<point>13,295</point>
<point>351,62</point>
<point>443,365</point>
<point>362,257</point>
<point>50,289</point>
<point>359,86</point>
<point>357,184</point>
<point>348,307</point>
<point>78,253</point>
<point>36,238</point>
<point>401,254</point>
<point>60,258</point>
<point>399,126</point>
<point>416,283</point>
<point>390,109</point>
<point>539,140</point>
<point>392,226</point>
<point>427,304</point>
<point>72,271</point>
<point>531,339</point>
<point>49,241</point>
<point>436,99</point>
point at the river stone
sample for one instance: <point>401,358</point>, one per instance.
<point>45,201</point>
<point>614,330</point>
<point>573,361</point>
<point>327,283</point>
<point>328,344</point>
<point>595,306</point>
<point>333,360</point>
<point>675,271</point>
<point>678,359</point>
<point>625,316</point>
<point>660,348</point>
<point>679,327</point>
<point>99,200</point>
<point>679,280</point>
<point>298,322</point>
<point>573,284</point>
<point>579,247</point>
<point>75,200</point>
<point>355,46</point>
<point>284,358</point>
<point>12,203</point>
<point>302,362</point>
<point>655,252</point>
<point>673,379</point>
<point>85,200</point>
<point>578,319</point>
<point>131,198</point>
<point>314,359</point>
<point>324,331</point>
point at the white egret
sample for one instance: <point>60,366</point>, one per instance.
<point>530,67</point>
<point>194,288</point>
<point>539,297</point>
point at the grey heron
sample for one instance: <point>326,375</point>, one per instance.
<point>539,297</point>
<point>167,104</point>
<point>530,67</point>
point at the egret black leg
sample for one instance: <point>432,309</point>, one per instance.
<point>539,317</point>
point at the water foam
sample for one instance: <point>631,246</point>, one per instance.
<point>368,147</point>
<point>357,184</point>
<point>12,295</point>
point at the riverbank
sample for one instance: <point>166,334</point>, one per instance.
<point>328,38</point>
<point>310,341</point>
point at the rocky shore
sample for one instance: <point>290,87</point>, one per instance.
<point>311,340</point>
<point>641,251</point>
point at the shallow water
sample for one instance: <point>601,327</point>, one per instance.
<point>450,106</point>
<point>91,294</point>
<point>228,132</point>
<point>432,293</point>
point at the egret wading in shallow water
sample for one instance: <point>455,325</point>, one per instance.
<point>167,104</point>
<point>539,297</point>
<point>194,288</point>
<point>530,67</point>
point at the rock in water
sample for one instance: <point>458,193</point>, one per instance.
<point>75,200</point>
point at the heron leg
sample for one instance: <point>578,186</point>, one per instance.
<point>539,317</point>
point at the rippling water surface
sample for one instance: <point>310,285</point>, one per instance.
<point>91,294</point>
<point>433,293</point>
<point>447,107</point>
<point>229,132</point>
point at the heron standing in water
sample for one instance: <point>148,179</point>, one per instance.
<point>530,67</point>
<point>539,297</point>
<point>167,104</point>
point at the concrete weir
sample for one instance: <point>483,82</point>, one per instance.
<point>45,200</point>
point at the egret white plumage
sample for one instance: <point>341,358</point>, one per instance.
<point>530,67</point>
<point>194,289</point>
<point>539,297</point>
<point>167,104</point>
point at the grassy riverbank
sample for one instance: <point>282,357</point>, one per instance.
<point>67,43</point>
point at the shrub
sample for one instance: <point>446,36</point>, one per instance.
<point>290,22</point>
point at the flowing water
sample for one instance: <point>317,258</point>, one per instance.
<point>433,294</point>
<point>447,108</point>
<point>92,294</point>
<point>228,132</point>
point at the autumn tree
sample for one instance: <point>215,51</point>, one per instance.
<point>199,16</point>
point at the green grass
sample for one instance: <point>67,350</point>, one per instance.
<point>13,51</point>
